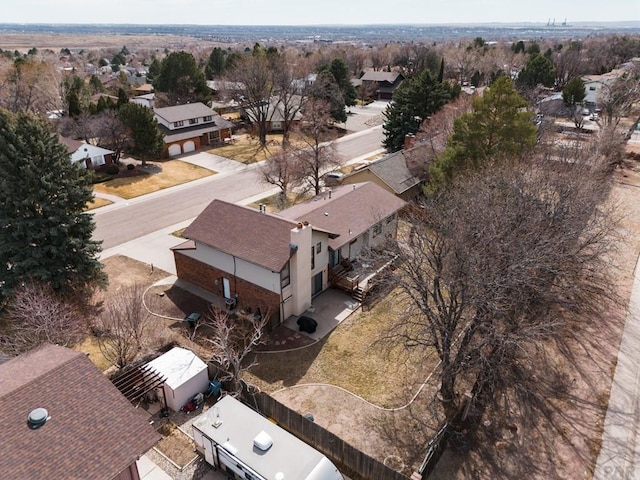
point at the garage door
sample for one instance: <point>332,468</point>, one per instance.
<point>189,146</point>
<point>174,150</point>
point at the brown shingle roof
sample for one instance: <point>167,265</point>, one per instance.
<point>71,144</point>
<point>260,238</point>
<point>93,433</point>
<point>351,210</point>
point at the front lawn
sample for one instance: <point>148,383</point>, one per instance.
<point>157,176</point>
<point>97,202</point>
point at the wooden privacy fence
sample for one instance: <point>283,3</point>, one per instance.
<point>351,461</point>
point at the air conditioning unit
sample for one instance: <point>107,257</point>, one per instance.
<point>263,441</point>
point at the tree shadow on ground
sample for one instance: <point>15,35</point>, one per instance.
<point>553,428</point>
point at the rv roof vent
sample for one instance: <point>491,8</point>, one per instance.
<point>37,418</point>
<point>263,441</point>
<point>279,476</point>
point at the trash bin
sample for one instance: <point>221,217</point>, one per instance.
<point>214,388</point>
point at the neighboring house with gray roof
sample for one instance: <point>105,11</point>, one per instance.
<point>276,115</point>
<point>189,127</point>
<point>382,84</point>
<point>86,155</point>
<point>279,262</point>
<point>391,173</point>
<point>89,430</point>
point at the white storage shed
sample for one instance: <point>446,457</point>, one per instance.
<point>244,444</point>
<point>186,375</point>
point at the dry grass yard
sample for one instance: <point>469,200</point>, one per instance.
<point>159,175</point>
<point>356,356</point>
<point>98,202</point>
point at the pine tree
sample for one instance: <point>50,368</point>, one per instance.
<point>146,138</point>
<point>416,99</point>
<point>44,234</point>
<point>498,127</point>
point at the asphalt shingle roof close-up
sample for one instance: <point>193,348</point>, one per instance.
<point>93,431</point>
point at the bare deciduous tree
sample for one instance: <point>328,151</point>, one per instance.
<point>319,155</point>
<point>254,77</point>
<point>122,324</point>
<point>290,81</point>
<point>110,132</point>
<point>618,96</point>
<point>232,342</point>
<point>503,264</point>
<point>35,315</point>
<point>282,171</point>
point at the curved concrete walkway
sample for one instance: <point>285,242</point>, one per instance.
<point>108,196</point>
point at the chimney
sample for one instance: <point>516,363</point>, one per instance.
<point>409,140</point>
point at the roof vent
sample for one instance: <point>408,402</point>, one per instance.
<point>263,441</point>
<point>279,476</point>
<point>37,418</point>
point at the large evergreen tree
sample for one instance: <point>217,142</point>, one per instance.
<point>44,234</point>
<point>497,127</point>
<point>145,136</point>
<point>416,99</point>
<point>336,87</point>
<point>182,79</point>
<point>539,70</point>
<point>216,64</point>
<point>574,92</point>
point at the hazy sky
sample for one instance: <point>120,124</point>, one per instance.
<point>315,12</point>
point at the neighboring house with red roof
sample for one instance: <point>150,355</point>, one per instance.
<point>88,430</point>
<point>87,155</point>
<point>281,261</point>
<point>186,128</point>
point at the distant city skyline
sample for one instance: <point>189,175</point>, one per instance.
<point>327,12</point>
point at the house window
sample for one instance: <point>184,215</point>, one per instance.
<point>318,247</point>
<point>178,124</point>
<point>592,88</point>
<point>207,118</point>
<point>97,161</point>
<point>313,257</point>
<point>193,121</point>
<point>285,276</point>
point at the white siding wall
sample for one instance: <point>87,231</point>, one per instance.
<point>322,258</point>
<point>301,269</point>
<point>248,271</point>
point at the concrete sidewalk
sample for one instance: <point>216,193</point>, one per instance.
<point>619,456</point>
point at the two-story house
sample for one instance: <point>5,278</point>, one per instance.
<point>279,262</point>
<point>187,128</point>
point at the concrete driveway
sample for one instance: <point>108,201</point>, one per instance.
<point>213,162</point>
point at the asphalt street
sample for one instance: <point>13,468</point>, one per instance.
<point>125,221</point>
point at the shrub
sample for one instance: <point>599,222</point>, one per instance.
<point>112,169</point>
